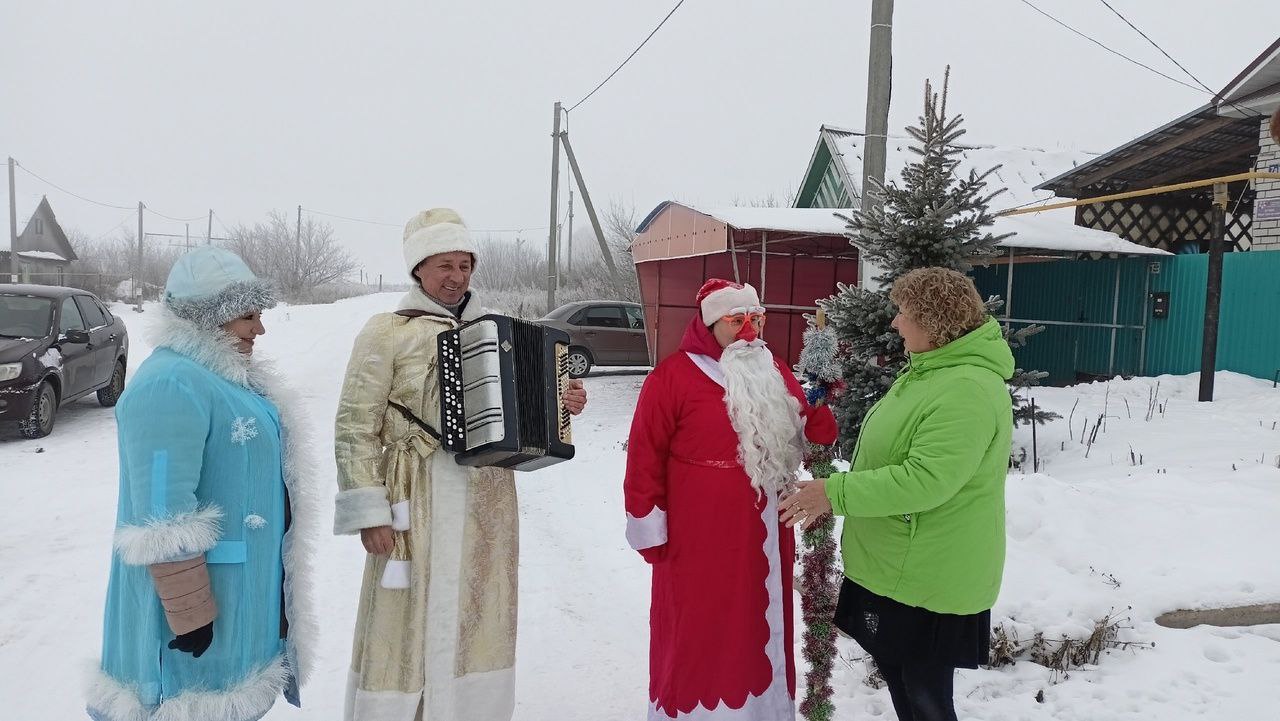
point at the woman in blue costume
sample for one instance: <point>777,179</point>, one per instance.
<point>208,615</point>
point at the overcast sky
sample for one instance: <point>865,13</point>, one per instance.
<point>379,109</point>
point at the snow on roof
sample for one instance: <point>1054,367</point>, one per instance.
<point>1050,231</point>
<point>1053,231</point>
<point>788,220</point>
<point>41,255</point>
<point>1022,169</point>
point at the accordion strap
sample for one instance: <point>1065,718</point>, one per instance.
<point>408,414</point>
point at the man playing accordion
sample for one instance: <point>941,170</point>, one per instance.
<point>435,631</point>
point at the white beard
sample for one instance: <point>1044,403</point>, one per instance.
<point>765,415</point>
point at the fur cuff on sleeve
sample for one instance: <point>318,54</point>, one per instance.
<point>360,508</point>
<point>160,540</point>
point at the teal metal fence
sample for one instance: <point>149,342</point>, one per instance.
<point>1092,295</point>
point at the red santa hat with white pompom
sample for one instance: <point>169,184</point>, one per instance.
<point>719,297</point>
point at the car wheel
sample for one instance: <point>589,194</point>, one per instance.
<point>110,393</point>
<point>579,362</point>
<point>40,423</point>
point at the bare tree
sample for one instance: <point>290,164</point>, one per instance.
<point>298,259</point>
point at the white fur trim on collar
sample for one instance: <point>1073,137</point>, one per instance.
<point>416,299</point>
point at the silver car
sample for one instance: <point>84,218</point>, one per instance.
<point>601,332</point>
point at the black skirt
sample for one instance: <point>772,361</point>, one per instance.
<point>906,635</point>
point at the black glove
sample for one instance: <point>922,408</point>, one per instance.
<point>194,642</point>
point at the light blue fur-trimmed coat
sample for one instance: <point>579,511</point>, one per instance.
<point>210,462</point>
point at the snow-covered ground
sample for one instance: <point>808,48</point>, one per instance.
<point>1194,525</point>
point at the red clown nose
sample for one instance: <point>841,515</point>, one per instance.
<point>748,332</point>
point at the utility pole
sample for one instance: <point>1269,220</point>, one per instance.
<point>879,91</point>
<point>591,213</point>
<point>6,273</point>
<point>1213,293</point>
<point>208,234</point>
<point>568,260</point>
<point>297,233</point>
<point>555,211</point>
<point>187,243</point>
<point>137,273</point>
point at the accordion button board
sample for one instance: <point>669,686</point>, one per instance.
<point>502,382</point>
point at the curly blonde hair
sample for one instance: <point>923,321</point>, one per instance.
<point>941,301</point>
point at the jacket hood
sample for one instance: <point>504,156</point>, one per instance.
<point>698,339</point>
<point>984,347</point>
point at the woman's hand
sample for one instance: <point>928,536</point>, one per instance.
<point>377,540</point>
<point>806,504</point>
<point>575,397</point>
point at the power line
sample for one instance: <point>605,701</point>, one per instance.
<point>50,183</point>
<point>1112,51</point>
<point>170,217</point>
<point>632,55</point>
<point>1155,45</point>
<point>354,220</point>
<point>1174,60</point>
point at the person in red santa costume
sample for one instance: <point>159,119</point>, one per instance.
<point>719,431</point>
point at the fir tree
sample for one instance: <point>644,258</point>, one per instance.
<point>932,217</point>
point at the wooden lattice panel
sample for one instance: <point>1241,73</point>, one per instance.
<point>1166,226</point>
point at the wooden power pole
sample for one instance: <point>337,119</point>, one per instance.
<point>1213,293</point>
<point>137,273</point>
<point>879,91</point>
<point>6,271</point>
<point>552,238</point>
<point>591,213</point>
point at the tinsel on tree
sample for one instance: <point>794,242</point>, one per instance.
<point>933,216</point>
<point>819,577</point>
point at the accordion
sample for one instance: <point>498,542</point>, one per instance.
<point>501,383</point>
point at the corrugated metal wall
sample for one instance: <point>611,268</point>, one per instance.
<point>1082,290</point>
<point>1079,291</point>
<point>1249,330</point>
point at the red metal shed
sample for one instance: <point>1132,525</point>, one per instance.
<point>793,256</point>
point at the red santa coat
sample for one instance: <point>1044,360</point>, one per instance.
<point>721,613</point>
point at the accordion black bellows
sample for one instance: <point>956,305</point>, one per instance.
<point>501,383</point>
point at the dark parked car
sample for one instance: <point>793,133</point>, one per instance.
<point>601,332</point>
<point>56,345</point>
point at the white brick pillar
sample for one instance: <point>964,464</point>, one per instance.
<point>1266,233</point>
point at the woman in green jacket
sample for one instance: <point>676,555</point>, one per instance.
<point>924,539</point>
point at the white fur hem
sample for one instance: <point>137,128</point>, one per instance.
<point>649,531</point>
<point>110,700</point>
<point>359,508</point>
<point>159,540</point>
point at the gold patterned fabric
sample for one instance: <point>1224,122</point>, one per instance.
<point>444,647</point>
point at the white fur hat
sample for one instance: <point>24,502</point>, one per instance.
<point>719,297</point>
<point>439,230</point>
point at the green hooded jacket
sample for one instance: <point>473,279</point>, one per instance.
<point>924,500</point>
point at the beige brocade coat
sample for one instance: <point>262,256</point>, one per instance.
<point>442,648</point>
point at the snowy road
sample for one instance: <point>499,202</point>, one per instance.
<point>1182,529</point>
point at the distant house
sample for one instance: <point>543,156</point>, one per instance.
<point>42,252</point>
